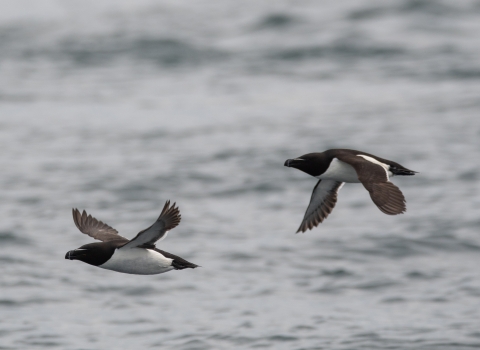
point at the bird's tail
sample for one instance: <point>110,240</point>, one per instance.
<point>178,263</point>
<point>402,171</point>
<point>182,264</point>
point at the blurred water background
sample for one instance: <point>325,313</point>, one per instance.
<point>117,106</point>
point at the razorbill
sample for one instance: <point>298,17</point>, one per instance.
<point>335,167</point>
<point>137,256</point>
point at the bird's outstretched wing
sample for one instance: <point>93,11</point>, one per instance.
<point>374,177</point>
<point>322,202</point>
<point>168,219</point>
<point>94,228</point>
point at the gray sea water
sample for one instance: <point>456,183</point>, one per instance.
<point>117,106</point>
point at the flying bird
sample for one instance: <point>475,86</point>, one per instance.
<point>137,256</point>
<point>334,167</point>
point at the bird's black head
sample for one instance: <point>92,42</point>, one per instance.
<point>311,163</point>
<point>94,253</point>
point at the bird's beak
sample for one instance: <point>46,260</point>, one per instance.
<point>74,254</point>
<point>292,162</point>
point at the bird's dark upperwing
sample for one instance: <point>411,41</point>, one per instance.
<point>168,219</point>
<point>322,202</point>
<point>374,177</point>
<point>94,228</point>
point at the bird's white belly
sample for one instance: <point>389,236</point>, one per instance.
<point>138,261</point>
<point>339,171</point>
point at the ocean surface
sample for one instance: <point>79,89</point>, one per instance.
<point>117,106</point>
